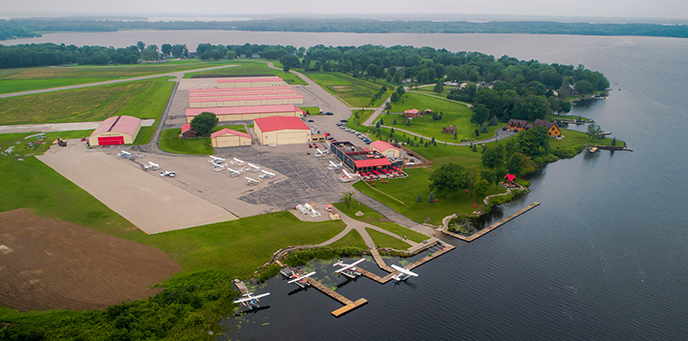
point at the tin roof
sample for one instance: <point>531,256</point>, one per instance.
<point>274,123</point>
<point>119,124</point>
<point>229,131</point>
<point>382,145</point>
<point>255,109</point>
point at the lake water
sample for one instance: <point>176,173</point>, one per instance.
<point>604,257</point>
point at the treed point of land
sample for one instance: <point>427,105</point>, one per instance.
<point>210,256</point>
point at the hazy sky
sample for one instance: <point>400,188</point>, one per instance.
<point>677,9</point>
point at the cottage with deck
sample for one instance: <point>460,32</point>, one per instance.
<point>449,130</point>
<point>412,113</point>
<point>552,129</point>
<point>518,125</point>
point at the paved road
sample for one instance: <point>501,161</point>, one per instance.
<point>178,74</point>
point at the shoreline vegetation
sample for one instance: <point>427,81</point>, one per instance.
<point>34,27</point>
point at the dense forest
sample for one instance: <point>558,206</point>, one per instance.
<point>22,28</point>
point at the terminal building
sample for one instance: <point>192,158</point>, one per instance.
<point>116,130</point>
<point>360,159</point>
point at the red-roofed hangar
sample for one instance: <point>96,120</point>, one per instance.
<point>229,138</point>
<point>245,113</point>
<point>281,130</point>
<point>116,130</point>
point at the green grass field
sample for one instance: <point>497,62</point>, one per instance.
<point>251,67</point>
<point>170,142</point>
<point>24,79</point>
<point>352,239</point>
<point>142,99</point>
<point>373,218</point>
<point>454,113</point>
<point>383,241</point>
<point>353,91</point>
<point>311,110</point>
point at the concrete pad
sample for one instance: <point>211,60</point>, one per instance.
<point>149,202</point>
<point>48,127</point>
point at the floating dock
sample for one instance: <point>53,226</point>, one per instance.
<point>486,230</point>
<point>382,280</point>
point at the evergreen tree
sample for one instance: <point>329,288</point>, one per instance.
<point>493,121</point>
<point>381,122</point>
<point>431,198</point>
<point>394,122</point>
<point>408,140</point>
<point>408,122</point>
<point>475,149</point>
<point>455,136</point>
<point>614,141</point>
<point>483,128</point>
<point>419,198</point>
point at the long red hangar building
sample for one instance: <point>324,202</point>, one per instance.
<point>246,113</point>
<point>281,130</point>
<point>116,130</point>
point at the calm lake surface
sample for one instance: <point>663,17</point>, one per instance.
<point>604,257</point>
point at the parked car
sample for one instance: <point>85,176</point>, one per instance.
<point>311,121</point>
<point>344,120</point>
<point>329,113</point>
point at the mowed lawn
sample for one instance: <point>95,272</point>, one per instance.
<point>353,91</point>
<point>170,142</point>
<point>453,113</point>
<point>142,99</point>
<point>35,78</point>
<point>373,218</point>
<point>249,67</point>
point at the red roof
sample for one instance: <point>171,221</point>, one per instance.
<point>248,98</point>
<point>248,80</point>
<point>510,177</point>
<point>119,124</point>
<point>241,93</point>
<point>273,88</point>
<point>382,145</point>
<point>229,131</point>
<point>411,111</point>
<point>186,128</point>
<point>274,123</point>
<point>255,109</point>
<point>372,162</point>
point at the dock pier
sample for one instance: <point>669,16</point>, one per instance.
<point>486,230</point>
<point>382,280</point>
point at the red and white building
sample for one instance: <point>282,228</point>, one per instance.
<point>246,113</point>
<point>230,138</point>
<point>281,130</point>
<point>116,130</point>
<point>385,148</point>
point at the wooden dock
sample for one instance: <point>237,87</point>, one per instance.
<point>486,230</point>
<point>241,286</point>
<point>382,280</point>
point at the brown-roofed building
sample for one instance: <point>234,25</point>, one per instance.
<point>412,113</point>
<point>188,131</point>
<point>449,129</point>
<point>518,125</point>
<point>552,129</point>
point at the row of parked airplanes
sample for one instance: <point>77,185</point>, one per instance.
<point>221,164</point>
<point>349,270</point>
<point>149,166</point>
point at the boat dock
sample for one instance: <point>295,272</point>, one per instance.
<point>488,229</point>
<point>241,286</point>
<point>382,280</point>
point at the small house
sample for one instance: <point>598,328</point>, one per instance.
<point>449,129</point>
<point>385,148</point>
<point>412,113</point>
<point>187,131</point>
<point>518,125</point>
<point>509,178</point>
<point>552,129</point>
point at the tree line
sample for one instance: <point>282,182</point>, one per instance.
<point>30,27</point>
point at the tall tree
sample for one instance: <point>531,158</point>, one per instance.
<point>204,123</point>
<point>449,179</point>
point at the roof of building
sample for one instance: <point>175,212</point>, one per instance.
<point>249,80</point>
<point>514,121</point>
<point>451,128</point>
<point>229,131</point>
<point>273,123</point>
<point>544,123</point>
<point>186,128</point>
<point>247,98</point>
<point>119,124</point>
<point>243,93</point>
<point>255,109</point>
<point>411,111</point>
<point>510,177</point>
<point>261,88</point>
<point>372,162</point>
<point>382,145</point>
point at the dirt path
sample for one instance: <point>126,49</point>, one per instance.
<point>50,264</point>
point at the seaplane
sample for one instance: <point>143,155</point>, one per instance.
<point>125,154</point>
<point>301,281</point>
<point>219,168</point>
<point>335,166</point>
<point>348,270</point>
<point>266,174</point>
<point>233,173</point>
<point>151,166</point>
<point>251,301</point>
<point>347,176</point>
<point>320,153</point>
<point>237,162</point>
<point>403,273</point>
<point>168,173</point>
<point>216,160</point>
<point>253,168</point>
<point>251,181</point>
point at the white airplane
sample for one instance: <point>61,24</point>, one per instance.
<point>335,166</point>
<point>233,173</point>
<point>267,174</point>
<point>349,176</point>
<point>251,301</point>
<point>151,166</point>
<point>348,270</point>
<point>301,280</point>
<point>168,173</point>
<point>237,162</point>
<point>403,273</point>
<point>219,168</point>
<point>318,151</point>
<point>216,160</point>
<point>251,181</point>
<point>254,166</point>
<point>125,154</point>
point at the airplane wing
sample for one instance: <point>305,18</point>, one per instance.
<point>404,271</point>
<point>345,267</point>
<point>302,277</point>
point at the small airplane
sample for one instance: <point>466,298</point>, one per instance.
<point>348,270</point>
<point>403,273</point>
<point>125,154</point>
<point>219,168</point>
<point>251,301</point>
<point>168,173</point>
<point>216,160</point>
<point>251,181</point>
<point>320,153</point>
<point>301,281</point>
<point>335,166</point>
<point>237,162</point>
<point>151,166</point>
<point>233,173</point>
<point>267,174</point>
<point>347,176</point>
<point>256,168</point>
